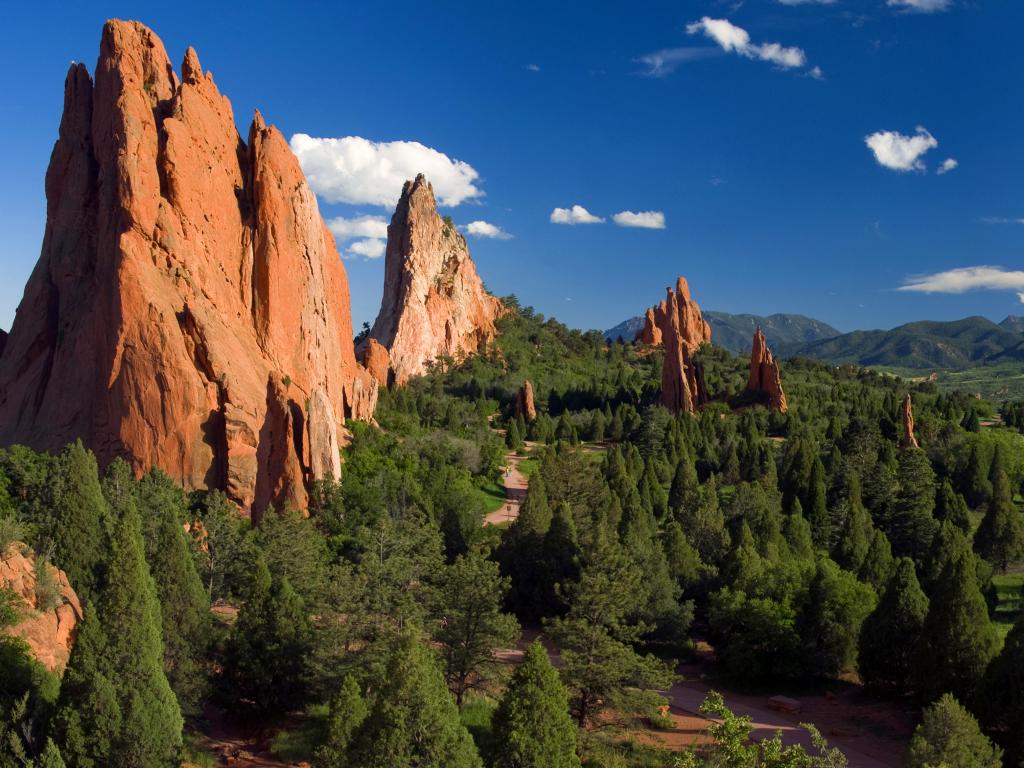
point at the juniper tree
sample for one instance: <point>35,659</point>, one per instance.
<point>957,641</point>
<point>533,728</point>
<point>117,707</point>
<point>949,736</point>
<point>888,637</point>
<point>1000,537</point>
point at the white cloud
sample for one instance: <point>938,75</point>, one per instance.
<point>643,219</point>
<point>966,279</point>
<point>1002,220</point>
<point>898,152</point>
<point>362,172</point>
<point>371,248</point>
<point>486,229</point>
<point>922,6</point>
<point>533,67</point>
<point>667,60</point>
<point>949,164</point>
<point>575,215</point>
<point>807,2</point>
<point>733,39</point>
<point>358,226</point>
<point>816,73</point>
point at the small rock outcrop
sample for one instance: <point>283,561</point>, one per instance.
<point>3,341</point>
<point>525,406</point>
<point>434,303</point>
<point>48,616</point>
<point>677,308</point>
<point>377,361</point>
<point>189,310</point>
<point>764,379</point>
<point>909,440</point>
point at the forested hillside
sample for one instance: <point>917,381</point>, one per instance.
<point>385,628</point>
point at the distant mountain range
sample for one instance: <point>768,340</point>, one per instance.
<point>734,332</point>
<point>923,345</point>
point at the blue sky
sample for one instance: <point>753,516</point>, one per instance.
<point>754,153</point>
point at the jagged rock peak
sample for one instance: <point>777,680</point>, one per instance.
<point>525,406</point>
<point>47,627</point>
<point>693,330</point>
<point>676,324</point>
<point>434,304</point>
<point>189,309</point>
<point>909,440</point>
<point>764,378</point>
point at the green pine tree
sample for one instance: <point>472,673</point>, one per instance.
<point>1000,699</point>
<point>951,506</point>
<point>267,656</point>
<point>473,626</point>
<point>889,636</point>
<point>911,525</point>
<point>533,728</point>
<point>347,713</point>
<point>949,736</point>
<point>1000,537</point>
<point>81,520</point>
<point>118,708</point>
<point>412,721</point>
<point>184,604</point>
<point>957,640</point>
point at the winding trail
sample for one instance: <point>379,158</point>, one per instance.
<point>515,483</point>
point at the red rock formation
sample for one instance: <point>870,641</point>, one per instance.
<point>678,325</point>
<point>434,303</point>
<point>682,379</point>
<point>764,376</point>
<point>909,440</point>
<point>189,309</point>
<point>376,360</point>
<point>693,329</point>
<point>525,406</point>
<point>48,629</point>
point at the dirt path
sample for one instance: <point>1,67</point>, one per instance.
<point>240,744</point>
<point>515,483</point>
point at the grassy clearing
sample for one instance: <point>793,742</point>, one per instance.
<point>529,466</point>
<point>492,496</point>
<point>1009,600</point>
<point>298,744</point>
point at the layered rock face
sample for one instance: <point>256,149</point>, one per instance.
<point>189,309</point>
<point>764,376</point>
<point>678,325</point>
<point>678,315</point>
<point>909,440</point>
<point>525,406</point>
<point>434,302</point>
<point>49,629</point>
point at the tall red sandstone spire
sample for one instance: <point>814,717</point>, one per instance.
<point>189,310</point>
<point>678,325</point>
<point>909,439</point>
<point>434,303</point>
<point>764,376</point>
